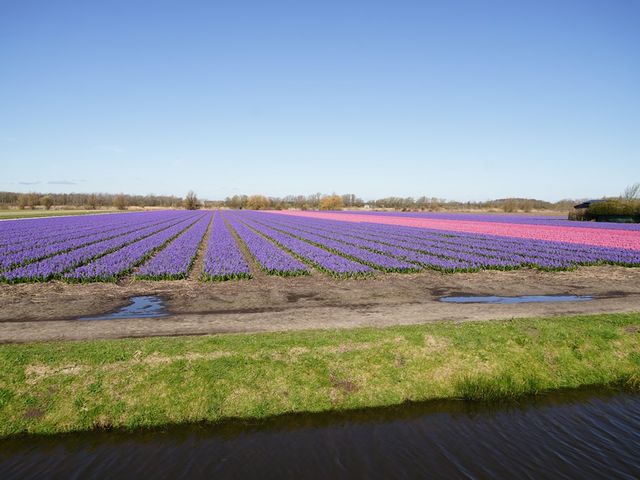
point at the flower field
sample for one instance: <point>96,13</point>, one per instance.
<point>233,244</point>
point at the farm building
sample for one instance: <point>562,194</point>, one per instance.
<point>586,204</point>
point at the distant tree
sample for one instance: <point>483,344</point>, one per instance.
<point>92,201</point>
<point>237,201</point>
<point>258,202</point>
<point>331,202</point>
<point>509,205</point>
<point>191,201</point>
<point>33,200</point>
<point>47,202</point>
<point>314,200</point>
<point>23,201</point>
<point>632,192</point>
<point>349,200</point>
<point>150,200</point>
<point>120,202</point>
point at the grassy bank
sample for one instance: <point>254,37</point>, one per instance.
<point>17,214</point>
<point>66,386</point>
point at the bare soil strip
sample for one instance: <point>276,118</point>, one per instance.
<point>256,271</point>
<point>49,311</point>
<point>198,263</point>
<point>313,269</point>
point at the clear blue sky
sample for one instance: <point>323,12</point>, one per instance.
<point>459,100</point>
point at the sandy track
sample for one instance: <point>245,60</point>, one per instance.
<point>33,312</point>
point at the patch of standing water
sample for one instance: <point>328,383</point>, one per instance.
<point>519,299</point>
<point>141,307</point>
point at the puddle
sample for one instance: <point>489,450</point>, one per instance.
<point>520,299</point>
<point>140,307</point>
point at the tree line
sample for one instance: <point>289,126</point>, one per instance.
<point>328,202</point>
<point>91,201</point>
<point>316,201</point>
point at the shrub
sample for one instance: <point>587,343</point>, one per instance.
<point>191,201</point>
<point>332,202</point>
<point>578,215</point>
<point>614,208</point>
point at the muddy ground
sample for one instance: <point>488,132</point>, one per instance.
<point>34,312</point>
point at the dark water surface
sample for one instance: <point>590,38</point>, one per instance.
<point>140,307</point>
<point>579,434</point>
<point>519,299</point>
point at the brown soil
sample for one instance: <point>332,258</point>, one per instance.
<point>49,311</point>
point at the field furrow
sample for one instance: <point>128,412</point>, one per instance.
<point>164,245</point>
<point>114,265</point>
<point>266,254</point>
<point>223,259</point>
<point>322,259</point>
<point>488,252</point>
<point>175,261</point>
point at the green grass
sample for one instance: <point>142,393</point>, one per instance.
<point>15,214</point>
<point>130,383</point>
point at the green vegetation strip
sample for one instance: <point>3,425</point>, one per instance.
<point>131,383</point>
<point>13,214</point>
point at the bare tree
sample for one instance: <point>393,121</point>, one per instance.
<point>257,202</point>
<point>23,201</point>
<point>632,192</point>
<point>120,202</point>
<point>47,201</point>
<point>34,200</point>
<point>191,201</point>
<point>92,202</point>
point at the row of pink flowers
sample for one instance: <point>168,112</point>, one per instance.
<point>585,236</point>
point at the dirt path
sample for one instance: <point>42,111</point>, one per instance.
<point>198,264</point>
<point>30,312</point>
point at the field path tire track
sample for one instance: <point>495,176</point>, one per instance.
<point>310,267</point>
<point>198,263</point>
<point>256,272</point>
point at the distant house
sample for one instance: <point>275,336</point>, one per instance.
<point>612,210</point>
<point>586,204</point>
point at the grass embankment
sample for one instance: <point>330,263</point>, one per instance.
<point>16,214</point>
<point>66,386</point>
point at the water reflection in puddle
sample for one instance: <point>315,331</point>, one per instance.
<point>519,299</point>
<point>140,307</point>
